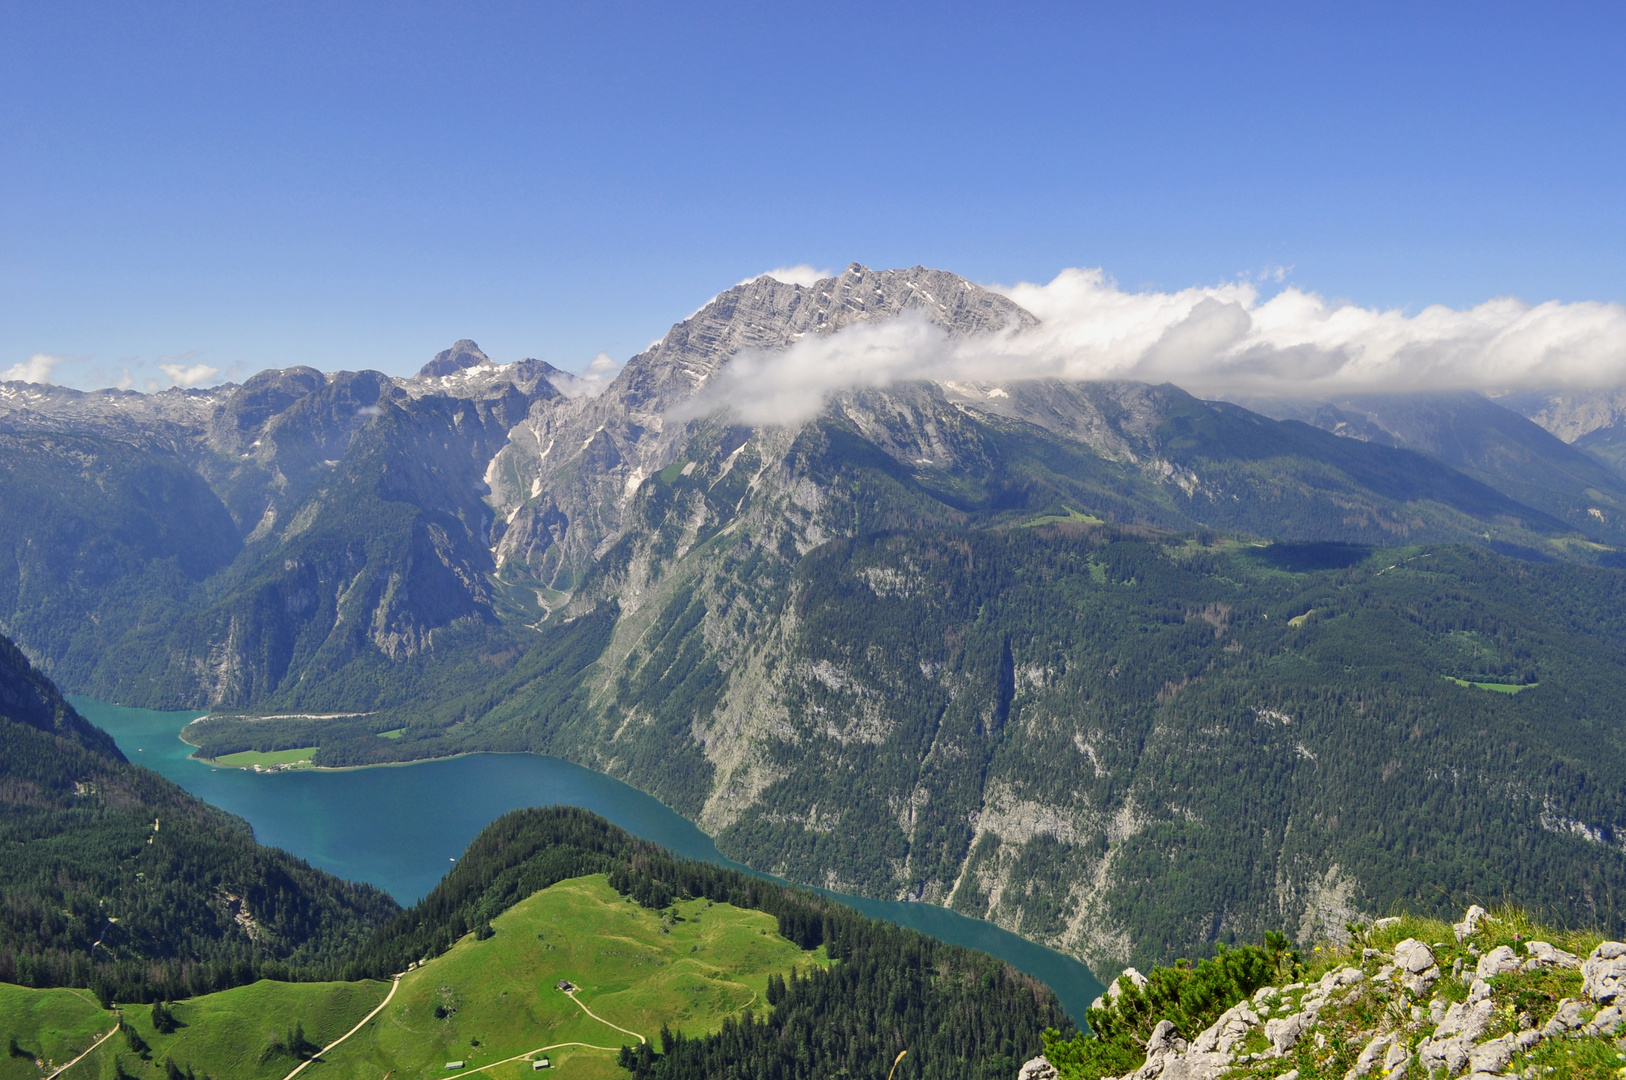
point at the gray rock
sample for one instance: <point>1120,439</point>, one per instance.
<point>1544,954</point>
<point>1196,1066</point>
<point>1418,969</point>
<point>1606,1022</point>
<point>1465,1020</point>
<point>1604,971</point>
<point>1038,1068</point>
<point>1479,991</point>
<point>1135,978</point>
<point>1412,955</point>
<point>1347,976</point>
<point>1450,1054</point>
<point>1163,1049</point>
<point>1165,1039</point>
<point>1566,1017</point>
<point>1371,1056</point>
<point>1385,923</point>
<point>1470,922</point>
<point>1498,961</point>
<point>1492,1056</point>
<point>1227,1031</point>
<point>1284,1033</point>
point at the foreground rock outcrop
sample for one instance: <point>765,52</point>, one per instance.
<point>1498,1001</point>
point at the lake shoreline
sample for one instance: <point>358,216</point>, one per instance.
<point>401,829</point>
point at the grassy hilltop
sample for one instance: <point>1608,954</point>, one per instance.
<point>692,968</point>
<point>489,999</point>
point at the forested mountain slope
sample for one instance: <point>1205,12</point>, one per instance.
<point>116,879</point>
<point>1124,746</point>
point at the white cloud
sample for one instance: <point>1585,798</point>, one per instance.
<point>803,274</point>
<point>1210,340</point>
<point>36,369</point>
<point>189,375</point>
<point>591,382</point>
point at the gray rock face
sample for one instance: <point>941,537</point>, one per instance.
<point>1453,1040</point>
<point>1566,1017</point>
<point>591,455</point>
<point>1606,1022</point>
<point>1457,1046</point>
<point>1470,922</point>
<point>464,354</point>
<point>1038,1068</point>
<point>1543,954</point>
<point>1226,1032</point>
<point>1498,961</point>
<point>1372,1055</point>
<point>1416,963</point>
<point>1285,1032</point>
<point>1491,1056</point>
<point>1604,972</point>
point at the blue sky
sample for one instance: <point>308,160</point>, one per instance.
<point>245,186</point>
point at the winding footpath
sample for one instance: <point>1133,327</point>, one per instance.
<point>395,984</point>
<point>572,995</point>
<point>541,1050</point>
<point>529,1054</point>
<point>93,1046</point>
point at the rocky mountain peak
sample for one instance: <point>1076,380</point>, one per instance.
<point>769,314</point>
<point>464,354</point>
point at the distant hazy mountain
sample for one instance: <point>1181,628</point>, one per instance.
<point>1486,440</point>
<point>1590,420</point>
<point>1015,647</point>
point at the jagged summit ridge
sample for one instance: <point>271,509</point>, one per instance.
<point>770,314</point>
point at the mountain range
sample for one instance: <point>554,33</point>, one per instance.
<point>1122,669</point>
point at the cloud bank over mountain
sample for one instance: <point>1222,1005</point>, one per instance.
<point>803,274</point>
<point>1210,340</point>
<point>36,369</point>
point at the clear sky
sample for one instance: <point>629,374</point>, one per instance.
<point>246,186</point>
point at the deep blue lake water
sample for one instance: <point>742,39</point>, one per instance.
<point>401,827</point>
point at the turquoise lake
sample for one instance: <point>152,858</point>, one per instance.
<point>400,827</point>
